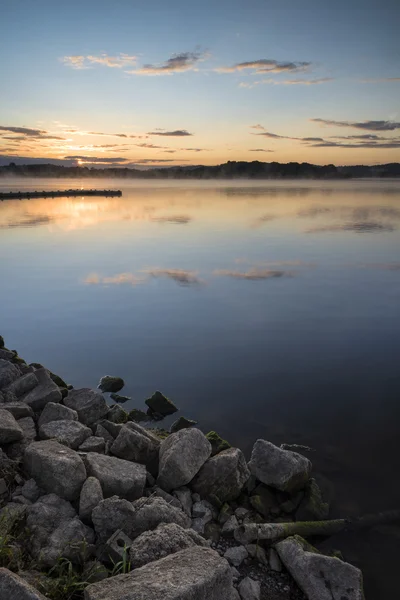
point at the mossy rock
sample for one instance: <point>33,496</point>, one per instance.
<point>225,513</point>
<point>58,380</point>
<point>312,507</point>
<point>120,399</point>
<point>162,434</point>
<point>218,444</point>
<point>138,416</point>
<point>108,383</point>
<point>18,360</point>
<point>182,423</point>
<point>265,502</point>
<point>158,403</point>
<point>64,392</point>
<point>1,341</point>
<point>117,415</point>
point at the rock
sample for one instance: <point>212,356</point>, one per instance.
<point>72,540</point>
<point>249,589</point>
<point>158,403</point>
<point>274,560</point>
<point>10,431</point>
<point>212,532</point>
<point>241,512</point>
<point>235,574</point>
<point>3,487</point>
<point>89,404</point>
<point>46,391</point>
<point>192,574</point>
<point>8,355</point>
<point>94,571</point>
<point>185,498</point>
<point>320,577</point>
<point>55,468</point>
<point>58,380</point>
<point>31,491</point>
<point>1,341</point>
<point>217,443</point>
<point>182,454</point>
<point>120,399</point>
<point>19,410</point>
<point>28,427</point>
<point>282,469</point>
<point>258,553</point>
<point>182,423</point>
<point>225,513</point>
<point>69,433</point>
<point>150,512</point>
<point>23,384</point>
<point>117,414</point>
<point>104,434</point>
<point>56,412</point>
<point>91,496</point>
<point>117,477</point>
<point>230,525</point>
<point>264,501</point>
<point>138,415</point>
<point>160,493</point>
<point>13,587</point>
<point>113,514</point>
<point>8,373</point>
<point>93,444</point>
<point>236,555</point>
<point>312,507</point>
<point>202,515</point>
<point>112,428</point>
<point>44,517</point>
<point>222,477</point>
<point>164,540</point>
<point>111,384</point>
<point>136,444</point>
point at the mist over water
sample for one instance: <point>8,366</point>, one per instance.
<point>263,310</point>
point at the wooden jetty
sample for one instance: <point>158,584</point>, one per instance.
<point>57,194</point>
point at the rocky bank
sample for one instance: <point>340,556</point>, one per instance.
<point>93,505</point>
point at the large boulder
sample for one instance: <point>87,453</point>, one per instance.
<point>55,468</point>
<point>19,410</point>
<point>23,384</point>
<point>117,477</point>
<point>192,574</point>
<point>10,431</point>
<point>165,539</point>
<point>320,577</point>
<point>13,587</point>
<point>8,373</point>
<point>45,516</point>
<point>91,496</point>
<point>108,383</point>
<point>57,412</point>
<point>138,445</point>
<point>113,514</point>
<point>222,477</point>
<point>69,433</point>
<point>182,455</point>
<point>93,444</point>
<point>158,403</point>
<point>46,391</point>
<point>151,512</point>
<point>284,470</point>
<point>90,405</point>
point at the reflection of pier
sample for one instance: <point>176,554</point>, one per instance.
<point>57,194</point>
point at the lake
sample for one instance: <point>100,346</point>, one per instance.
<point>266,309</point>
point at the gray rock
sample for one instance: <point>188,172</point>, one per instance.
<point>72,540</point>
<point>202,515</point>
<point>31,491</point>
<point>236,555</point>
<point>138,415</point>
<point>282,469</point>
<point>69,433</point>
<point>185,498</point>
<point>235,573</point>
<point>104,434</point>
<point>117,477</point>
<point>320,577</point>
<point>160,493</point>
<point>19,410</point>
<point>23,384</point>
<point>222,476</point>
<point>274,560</point>
<point>182,423</point>
<point>89,404</point>
<point>249,589</point>
<point>235,595</point>
<point>112,428</point>
<point>192,574</point>
<point>182,454</point>
<point>91,496</point>
<point>150,512</point>
<point>93,444</point>
<point>113,514</point>
<point>28,427</point>
<point>166,539</point>
<point>44,517</point>
<point>117,414</point>
<point>312,506</point>
<point>111,384</point>
<point>258,553</point>
<point>46,391</point>
<point>56,412</point>
<point>13,587</point>
<point>230,525</point>
<point>7,354</point>
<point>10,431</point>
<point>55,468</point>
<point>241,512</point>
<point>120,399</point>
<point>158,403</point>
<point>3,486</point>
<point>138,445</point>
<point>8,373</point>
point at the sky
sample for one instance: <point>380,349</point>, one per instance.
<point>139,84</point>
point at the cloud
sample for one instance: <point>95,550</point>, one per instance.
<point>265,65</point>
<point>180,276</point>
<point>286,82</point>
<point>144,145</point>
<point>253,274</point>
<point>259,150</point>
<point>175,219</point>
<point>178,63</point>
<point>174,133</point>
<point>383,266</point>
<point>372,144</point>
<point>25,133</point>
<point>368,125</point>
<point>121,135</point>
<point>97,159</point>
<point>119,279</point>
<point>85,62</point>
<point>381,80</point>
<point>360,227</point>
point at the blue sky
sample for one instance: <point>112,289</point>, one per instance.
<point>213,70</point>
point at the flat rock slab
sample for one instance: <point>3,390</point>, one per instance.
<point>136,444</point>
<point>55,468</point>
<point>23,384</point>
<point>90,405</point>
<point>10,431</point>
<point>46,391</point>
<point>158,403</point>
<point>19,410</point>
<point>192,574</point>
<point>68,433</point>
<point>13,587</point>
<point>57,412</point>
<point>117,477</point>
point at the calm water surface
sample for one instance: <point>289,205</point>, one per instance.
<point>268,310</point>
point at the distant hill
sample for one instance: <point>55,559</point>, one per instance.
<point>229,170</point>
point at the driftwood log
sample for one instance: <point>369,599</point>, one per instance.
<point>273,532</point>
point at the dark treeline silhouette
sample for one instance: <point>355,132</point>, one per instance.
<point>229,170</point>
